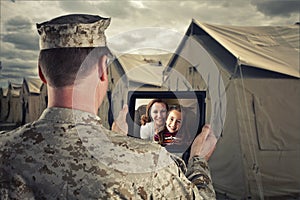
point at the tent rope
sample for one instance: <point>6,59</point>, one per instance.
<point>248,130</point>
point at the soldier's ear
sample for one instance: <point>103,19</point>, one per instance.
<point>41,75</point>
<point>102,68</point>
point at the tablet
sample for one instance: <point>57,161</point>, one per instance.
<point>193,113</point>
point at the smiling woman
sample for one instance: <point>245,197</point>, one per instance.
<point>154,119</point>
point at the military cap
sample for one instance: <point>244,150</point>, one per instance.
<point>75,30</point>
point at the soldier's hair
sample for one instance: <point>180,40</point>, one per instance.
<point>61,65</point>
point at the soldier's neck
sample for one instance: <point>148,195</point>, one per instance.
<point>66,98</point>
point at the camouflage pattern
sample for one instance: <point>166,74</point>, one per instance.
<point>73,31</point>
<point>68,154</point>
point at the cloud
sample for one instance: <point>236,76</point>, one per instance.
<point>19,40</point>
<point>77,6</point>
<point>9,52</point>
<point>18,23</point>
<point>161,39</point>
<point>19,32</point>
<point>18,69</point>
<point>18,65</point>
<point>277,7</point>
<point>24,41</point>
<point>4,81</point>
<point>117,9</point>
<point>178,14</point>
<point>14,77</point>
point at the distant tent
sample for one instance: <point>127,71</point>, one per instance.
<point>32,104</point>
<point>131,72</point>
<point>15,103</point>
<point>3,104</point>
<point>258,154</point>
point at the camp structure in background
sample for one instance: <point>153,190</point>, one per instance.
<point>31,101</point>
<point>3,104</point>
<point>22,103</point>
<point>131,72</point>
<point>258,153</point>
<point>15,103</point>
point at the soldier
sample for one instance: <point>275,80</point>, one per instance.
<point>68,154</point>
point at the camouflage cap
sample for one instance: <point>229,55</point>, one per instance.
<point>75,30</point>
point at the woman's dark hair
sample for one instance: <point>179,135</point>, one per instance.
<point>146,117</point>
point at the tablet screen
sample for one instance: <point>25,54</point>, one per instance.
<point>192,117</point>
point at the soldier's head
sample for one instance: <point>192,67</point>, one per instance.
<point>70,46</point>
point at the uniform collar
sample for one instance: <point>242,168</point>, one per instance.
<point>67,115</point>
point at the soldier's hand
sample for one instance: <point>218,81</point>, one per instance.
<point>204,144</point>
<point>120,125</point>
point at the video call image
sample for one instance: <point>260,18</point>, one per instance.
<point>172,122</point>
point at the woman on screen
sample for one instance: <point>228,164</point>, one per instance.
<point>154,119</point>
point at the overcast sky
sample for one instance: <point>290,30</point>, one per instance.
<point>135,24</point>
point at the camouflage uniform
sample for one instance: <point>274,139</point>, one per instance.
<point>68,154</point>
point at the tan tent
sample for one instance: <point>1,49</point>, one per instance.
<point>258,153</point>
<point>3,104</point>
<point>32,104</point>
<point>15,103</point>
<point>131,72</point>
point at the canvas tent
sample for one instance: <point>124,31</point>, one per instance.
<point>32,104</point>
<point>3,104</point>
<point>15,103</point>
<point>131,72</point>
<point>258,153</point>
<point>138,70</point>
